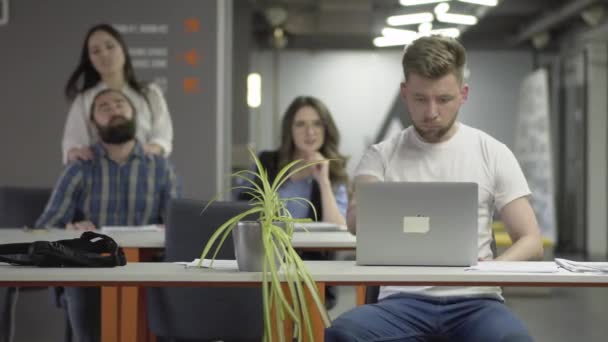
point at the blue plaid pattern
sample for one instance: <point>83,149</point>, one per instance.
<point>134,193</point>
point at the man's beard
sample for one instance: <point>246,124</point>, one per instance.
<point>435,135</point>
<point>118,131</point>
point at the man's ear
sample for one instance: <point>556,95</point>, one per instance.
<point>464,92</point>
<point>402,90</point>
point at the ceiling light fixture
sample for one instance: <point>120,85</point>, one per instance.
<point>482,2</point>
<point>461,19</point>
<point>409,19</point>
<point>419,2</point>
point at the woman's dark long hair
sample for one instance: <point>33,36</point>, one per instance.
<point>86,70</point>
<point>329,149</point>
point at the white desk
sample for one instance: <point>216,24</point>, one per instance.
<point>328,272</point>
<point>122,305</point>
<point>150,240</point>
<point>324,273</point>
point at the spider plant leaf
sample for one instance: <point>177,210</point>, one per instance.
<point>282,264</point>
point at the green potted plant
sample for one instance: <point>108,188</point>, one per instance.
<point>274,256</point>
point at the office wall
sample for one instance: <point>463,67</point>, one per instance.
<point>174,42</point>
<point>360,87</point>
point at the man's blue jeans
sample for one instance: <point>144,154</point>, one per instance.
<point>84,312</point>
<point>8,302</point>
<point>406,318</point>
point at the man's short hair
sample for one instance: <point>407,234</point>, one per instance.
<point>110,90</point>
<point>434,57</point>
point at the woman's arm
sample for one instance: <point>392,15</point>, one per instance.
<point>76,133</point>
<point>320,171</point>
<point>331,210</point>
<point>161,133</point>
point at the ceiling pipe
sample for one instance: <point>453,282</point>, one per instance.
<point>553,18</point>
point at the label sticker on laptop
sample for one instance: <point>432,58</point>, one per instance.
<point>416,224</point>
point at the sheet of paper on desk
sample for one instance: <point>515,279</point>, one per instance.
<point>146,228</point>
<point>582,266</point>
<point>319,227</point>
<point>515,267</point>
<point>217,264</point>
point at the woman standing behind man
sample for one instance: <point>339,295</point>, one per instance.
<point>105,63</point>
<point>308,133</point>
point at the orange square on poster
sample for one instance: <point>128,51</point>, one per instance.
<point>191,57</point>
<point>192,25</point>
<point>191,85</point>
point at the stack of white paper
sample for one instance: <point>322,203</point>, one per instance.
<point>582,266</point>
<point>217,264</point>
<point>146,228</point>
<point>515,267</point>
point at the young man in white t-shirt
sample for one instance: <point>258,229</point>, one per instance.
<point>439,148</point>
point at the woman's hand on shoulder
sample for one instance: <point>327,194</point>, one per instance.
<point>81,225</point>
<point>153,149</point>
<point>80,153</point>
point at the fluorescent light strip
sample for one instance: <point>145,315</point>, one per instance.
<point>448,32</point>
<point>441,8</point>
<point>399,35</point>
<point>409,19</point>
<point>392,41</point>
<point>425,27</point>
<point>419,2</point>
<point>491,3</point>
<point>461,19</point>
<point>396,37</point>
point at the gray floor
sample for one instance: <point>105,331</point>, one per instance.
<point>567,314</point>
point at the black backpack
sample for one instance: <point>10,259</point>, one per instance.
<point>90,250</point>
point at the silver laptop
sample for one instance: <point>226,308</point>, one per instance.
<point>417,224</point>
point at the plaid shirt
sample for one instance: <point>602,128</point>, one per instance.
<point>106,193</point>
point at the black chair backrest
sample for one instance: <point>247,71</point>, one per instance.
<point>227,314</point>
<point>21,206</point>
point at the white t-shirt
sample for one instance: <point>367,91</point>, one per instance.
<point>469,156</point>
<point>153,119</point>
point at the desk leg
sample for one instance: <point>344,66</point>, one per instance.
<point>133,319</point>
<point>318,329</point>
<point>361,289</point>
<point>133,315</point>
<point>110,320</point>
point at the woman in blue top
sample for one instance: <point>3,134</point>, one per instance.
<point>308,133</point>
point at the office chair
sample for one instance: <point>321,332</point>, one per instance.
<point>19,207</point>
<point>202,314</point>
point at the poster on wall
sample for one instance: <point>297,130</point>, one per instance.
<point>3,12</point>
<point>533,148</point>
